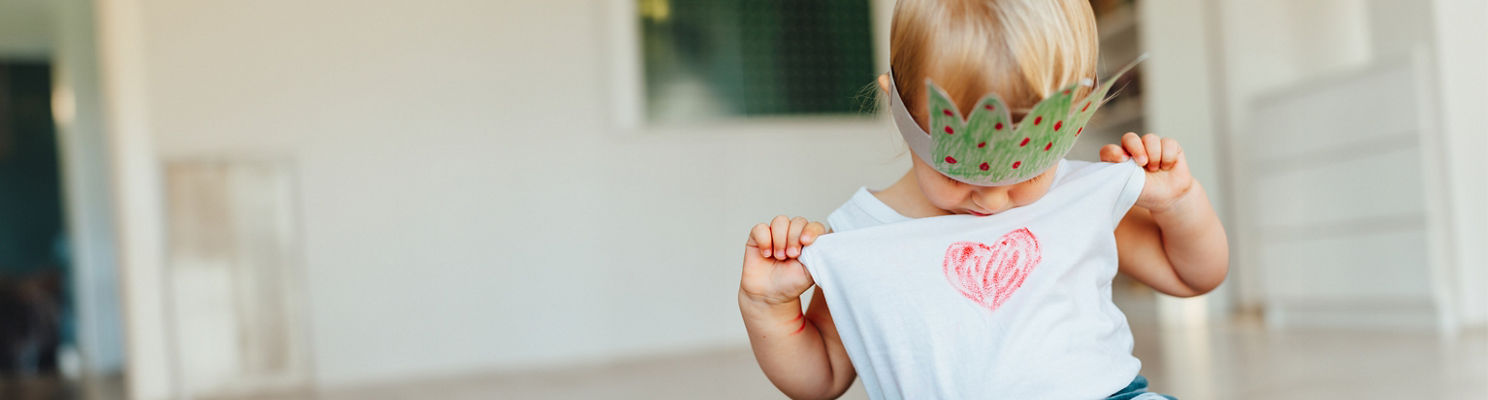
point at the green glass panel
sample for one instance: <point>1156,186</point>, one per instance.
<point>711,58</point>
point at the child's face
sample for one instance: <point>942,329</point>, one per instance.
<point>961,198</point>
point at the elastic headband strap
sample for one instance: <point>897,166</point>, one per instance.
<point>918,140</point>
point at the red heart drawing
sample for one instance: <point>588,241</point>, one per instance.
<point>989,274</point>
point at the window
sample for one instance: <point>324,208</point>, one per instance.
<point>712,59</point>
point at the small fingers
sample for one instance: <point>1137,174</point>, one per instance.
<point>1133,145</point>
<point>793,240</point>
<point>779,227</point>
<point>1112,153</point>
<point>1153,143</point>
<point>759,237</point>
<point>813,230</point>
<point>1170,151</point>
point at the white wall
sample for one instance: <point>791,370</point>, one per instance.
<point>134,171</point>
<point>1265,45</point>
<point>1461,43</point>
<point>78,107</point>
<point>1181,102</point>
<point>467,203</point>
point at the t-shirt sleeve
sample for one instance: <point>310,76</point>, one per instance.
<point>1136,178</point>
<point>809,259</point>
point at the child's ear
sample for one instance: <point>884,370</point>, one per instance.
<point>883,83</point>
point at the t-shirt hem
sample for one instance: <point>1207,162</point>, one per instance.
<point>1129,193</point>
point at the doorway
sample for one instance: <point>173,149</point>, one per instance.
<point>36,317</point>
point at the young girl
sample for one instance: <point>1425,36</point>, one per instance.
<point>984,272</point>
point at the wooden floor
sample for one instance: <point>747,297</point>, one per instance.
<point>1234,360</point>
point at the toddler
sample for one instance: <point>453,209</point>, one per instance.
<point>985,271</point>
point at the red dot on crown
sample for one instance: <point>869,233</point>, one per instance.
<point>1025,142</point>
<point>949,131</point>
<point>1087,107</point>
<point>1037,120</point>
<point>950,160</point>
<point>1048,146</point>
<point>985,167</point>
<point>1016,164</point>
<point>990,107</point>
<point>998,127</point>
<point>946,112</point>
<point>1058,124</point>
<point>981,145</point>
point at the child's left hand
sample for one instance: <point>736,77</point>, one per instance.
<point>1168,179</point>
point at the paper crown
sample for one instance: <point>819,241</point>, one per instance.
<point>986,148</point>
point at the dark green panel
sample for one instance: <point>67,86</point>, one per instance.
<point>30,193</point>
<point>755,57</point>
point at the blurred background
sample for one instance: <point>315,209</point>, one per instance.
<point>547,199</point>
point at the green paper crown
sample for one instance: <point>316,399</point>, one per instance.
<point>987,148</point>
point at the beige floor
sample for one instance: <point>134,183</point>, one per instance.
<point>1237,360</point>
<point>1234,360</point>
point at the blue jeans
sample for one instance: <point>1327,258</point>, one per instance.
<point>1137,390</point>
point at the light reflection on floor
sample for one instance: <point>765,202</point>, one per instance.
<point>1236,359</point>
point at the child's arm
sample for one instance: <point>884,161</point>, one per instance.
<point>800,352</point>
<point>1172,239</point>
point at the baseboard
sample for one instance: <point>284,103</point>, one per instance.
<point>1393,314</point>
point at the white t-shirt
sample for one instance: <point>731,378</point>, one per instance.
<point>1016,305</point>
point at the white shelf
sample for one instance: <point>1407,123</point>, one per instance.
<point>1122,113</point>
<point>1117,22</point>
<point>1119,44</point>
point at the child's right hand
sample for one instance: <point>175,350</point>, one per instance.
<point>772,274</point>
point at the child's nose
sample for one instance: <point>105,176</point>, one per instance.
<point>991,200</point>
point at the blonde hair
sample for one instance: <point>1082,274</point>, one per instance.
<point>1023,50</point>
